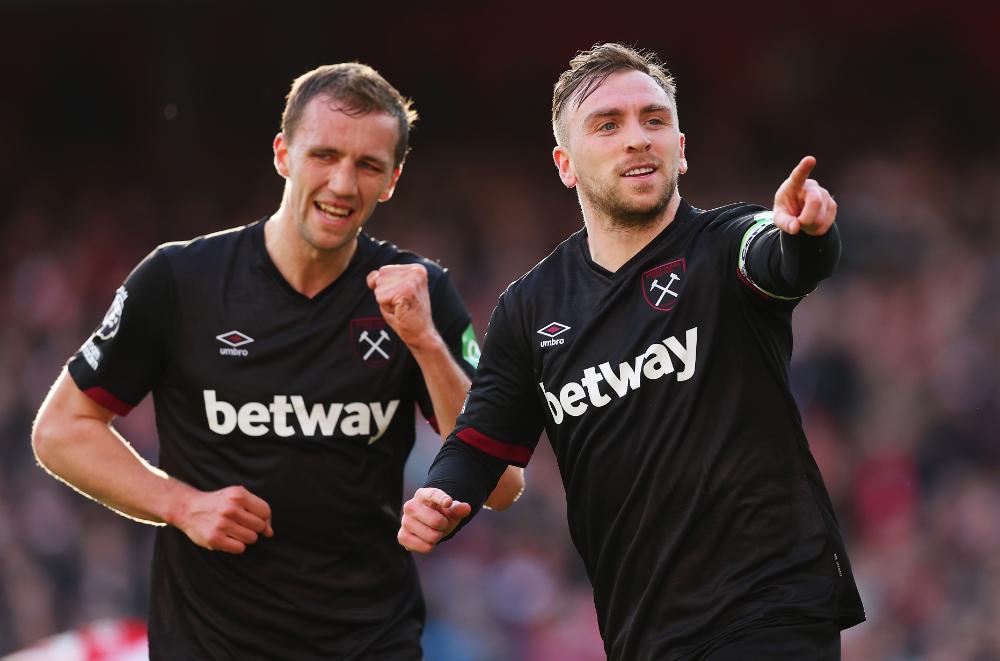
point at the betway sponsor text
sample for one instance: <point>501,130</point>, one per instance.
<point>257,418</point>
<point>655,362</point>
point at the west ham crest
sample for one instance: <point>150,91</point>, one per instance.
<point>661,285</point>
<point>373,342</point>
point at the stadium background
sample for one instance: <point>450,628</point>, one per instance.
<point>125,126</point>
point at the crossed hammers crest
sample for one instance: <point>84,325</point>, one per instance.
<point>374,345</point>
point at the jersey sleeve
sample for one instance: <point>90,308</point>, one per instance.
<point>780,266</point>
<point>454,324</point>
<point>125,357</point>
<point>502,416</point>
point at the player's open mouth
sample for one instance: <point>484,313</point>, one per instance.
<point>333,212</point>
<point>640,171</point>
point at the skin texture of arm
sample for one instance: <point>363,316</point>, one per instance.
<point>404,301</point>
<point>74,441</point>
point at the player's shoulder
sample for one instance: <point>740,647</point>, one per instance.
<point>730,216</point>
<point>379,252</point>
<point>207,246</point>
<point>562,263</point>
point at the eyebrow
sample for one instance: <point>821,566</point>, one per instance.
<point>617,112</point>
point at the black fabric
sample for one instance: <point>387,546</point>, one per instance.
<point>800,263</point>
<point>692,496</point>
<point>313,410</point>
<point>814,640</point>
<point>479,474</point>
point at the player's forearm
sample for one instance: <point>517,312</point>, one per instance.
<point>446,383</point>
<point>91,457</point>
<point>464,473</point>
<point>794,264</point>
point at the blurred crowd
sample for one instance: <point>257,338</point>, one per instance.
<point>896,368</point>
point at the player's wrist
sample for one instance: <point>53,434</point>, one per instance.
<point>176,503</point>
<point>429,342</point>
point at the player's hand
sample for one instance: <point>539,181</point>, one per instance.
<point>428,517</point>
<point>403,299</point>
<point>802,204</point>
<point>225,520</point>
<point>508,489</point>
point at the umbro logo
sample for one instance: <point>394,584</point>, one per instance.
<point>234,339</point>
<point>551,331</point>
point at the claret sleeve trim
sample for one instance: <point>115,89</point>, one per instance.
<point>509,452</point>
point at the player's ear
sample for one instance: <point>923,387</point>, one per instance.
<point>391,188</point>
<point>280,147</point>
<point>683,167</point>
<point>560,156</point>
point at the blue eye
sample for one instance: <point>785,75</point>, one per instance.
<point>608,126</point>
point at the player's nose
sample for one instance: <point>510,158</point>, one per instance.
<point>636,138</point>
<point>343,180</point>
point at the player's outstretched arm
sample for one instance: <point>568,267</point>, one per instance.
<point>73,440</point>
<point>790,263</point>
<point>428,517</point>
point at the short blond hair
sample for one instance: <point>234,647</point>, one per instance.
<point>590,68</point>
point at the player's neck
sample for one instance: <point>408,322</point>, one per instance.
<point>306,269</point>
<point>611,244</point>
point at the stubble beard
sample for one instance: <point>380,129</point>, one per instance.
<point>624,214</point>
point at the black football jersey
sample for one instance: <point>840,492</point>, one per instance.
<point>663,388</point>
<point>309,404</point>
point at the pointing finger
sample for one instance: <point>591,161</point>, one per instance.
<point>372,279</point>
<point>801,172</point>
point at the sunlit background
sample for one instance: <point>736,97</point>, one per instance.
<point>123,126</point>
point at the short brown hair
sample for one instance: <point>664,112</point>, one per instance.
<point>361,88</point>
<point>590,68</point>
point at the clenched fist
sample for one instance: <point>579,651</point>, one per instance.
<point>428,517</point>
<point>225,520</point>
<point>401,293</point>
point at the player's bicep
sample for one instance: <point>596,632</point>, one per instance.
<point>501,416</point>
<point>66,403</point>
<point>125,356</point>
